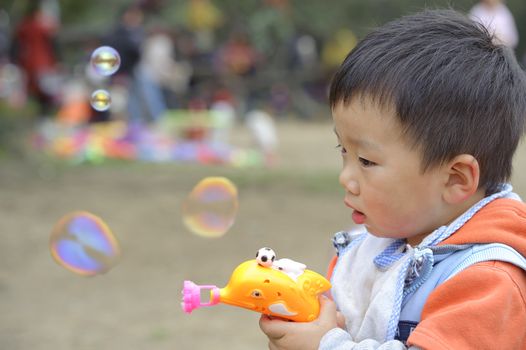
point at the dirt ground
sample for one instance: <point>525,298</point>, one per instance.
<point>294,208</point>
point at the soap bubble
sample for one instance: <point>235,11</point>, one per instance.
<point>105,60</point>
<point>82,243</point>
<point>211,207</point>
<point>100,100</point>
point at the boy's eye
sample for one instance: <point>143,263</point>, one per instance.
<point>366,162</point>
<point>342,150</point>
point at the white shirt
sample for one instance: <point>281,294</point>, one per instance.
<point>499,21</point>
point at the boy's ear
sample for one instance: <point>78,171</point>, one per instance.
<point>462,178</point>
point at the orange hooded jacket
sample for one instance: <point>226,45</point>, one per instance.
<point>484,306</point>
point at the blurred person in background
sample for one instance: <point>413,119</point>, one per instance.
<point>204,18</point>
<point>127,38</point>
<point>12,82</point>
<point>336,49</point>
<point>497,18</point>
<point>238,56</point>
<point>4,36</point>
<point>35,51</point>
<point>162,79</point>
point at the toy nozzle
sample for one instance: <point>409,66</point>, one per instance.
<point>192,296</point>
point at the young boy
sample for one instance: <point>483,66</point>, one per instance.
<point>428,113</point>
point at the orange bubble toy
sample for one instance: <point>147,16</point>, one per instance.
<point>282,288</point>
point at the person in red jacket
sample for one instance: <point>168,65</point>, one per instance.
<point>35,51</point>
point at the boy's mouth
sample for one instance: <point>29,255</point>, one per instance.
<point>358,217</point>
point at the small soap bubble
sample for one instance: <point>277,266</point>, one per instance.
<point>211,207</point>
<point>82,243</point>
<point>100,100</point>
<point>105,60</point>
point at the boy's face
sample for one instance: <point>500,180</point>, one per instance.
<point>382,177</point>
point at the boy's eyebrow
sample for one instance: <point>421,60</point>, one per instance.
<point>360,142</point>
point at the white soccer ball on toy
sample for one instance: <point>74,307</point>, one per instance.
<point>265,257</point>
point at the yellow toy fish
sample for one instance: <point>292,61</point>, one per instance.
<point>282,288</point>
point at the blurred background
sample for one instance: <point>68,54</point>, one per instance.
<point>199,88</point>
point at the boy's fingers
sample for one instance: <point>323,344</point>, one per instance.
<point>340,320</point>
<point>274,328</point>
<point>327,309</point>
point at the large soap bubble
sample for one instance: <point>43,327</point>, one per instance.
<point>211,207</point>
<point>82,243</point>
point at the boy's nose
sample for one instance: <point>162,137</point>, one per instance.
<point>348,182</point>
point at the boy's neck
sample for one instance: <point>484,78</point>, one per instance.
<point>462,207</point>
<point>454,211</point>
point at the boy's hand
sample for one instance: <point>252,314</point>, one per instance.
<point>285,335</point>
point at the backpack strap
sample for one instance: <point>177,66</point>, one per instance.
<point>489,252</point>
<point>457,261</point>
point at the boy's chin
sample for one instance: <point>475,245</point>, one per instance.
<point>381,233</point>
<point>375,232</point>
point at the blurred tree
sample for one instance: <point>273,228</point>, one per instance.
<point>266,20</point>
<point>270,24</point>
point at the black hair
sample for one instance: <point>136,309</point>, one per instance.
<point>454,90</point>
